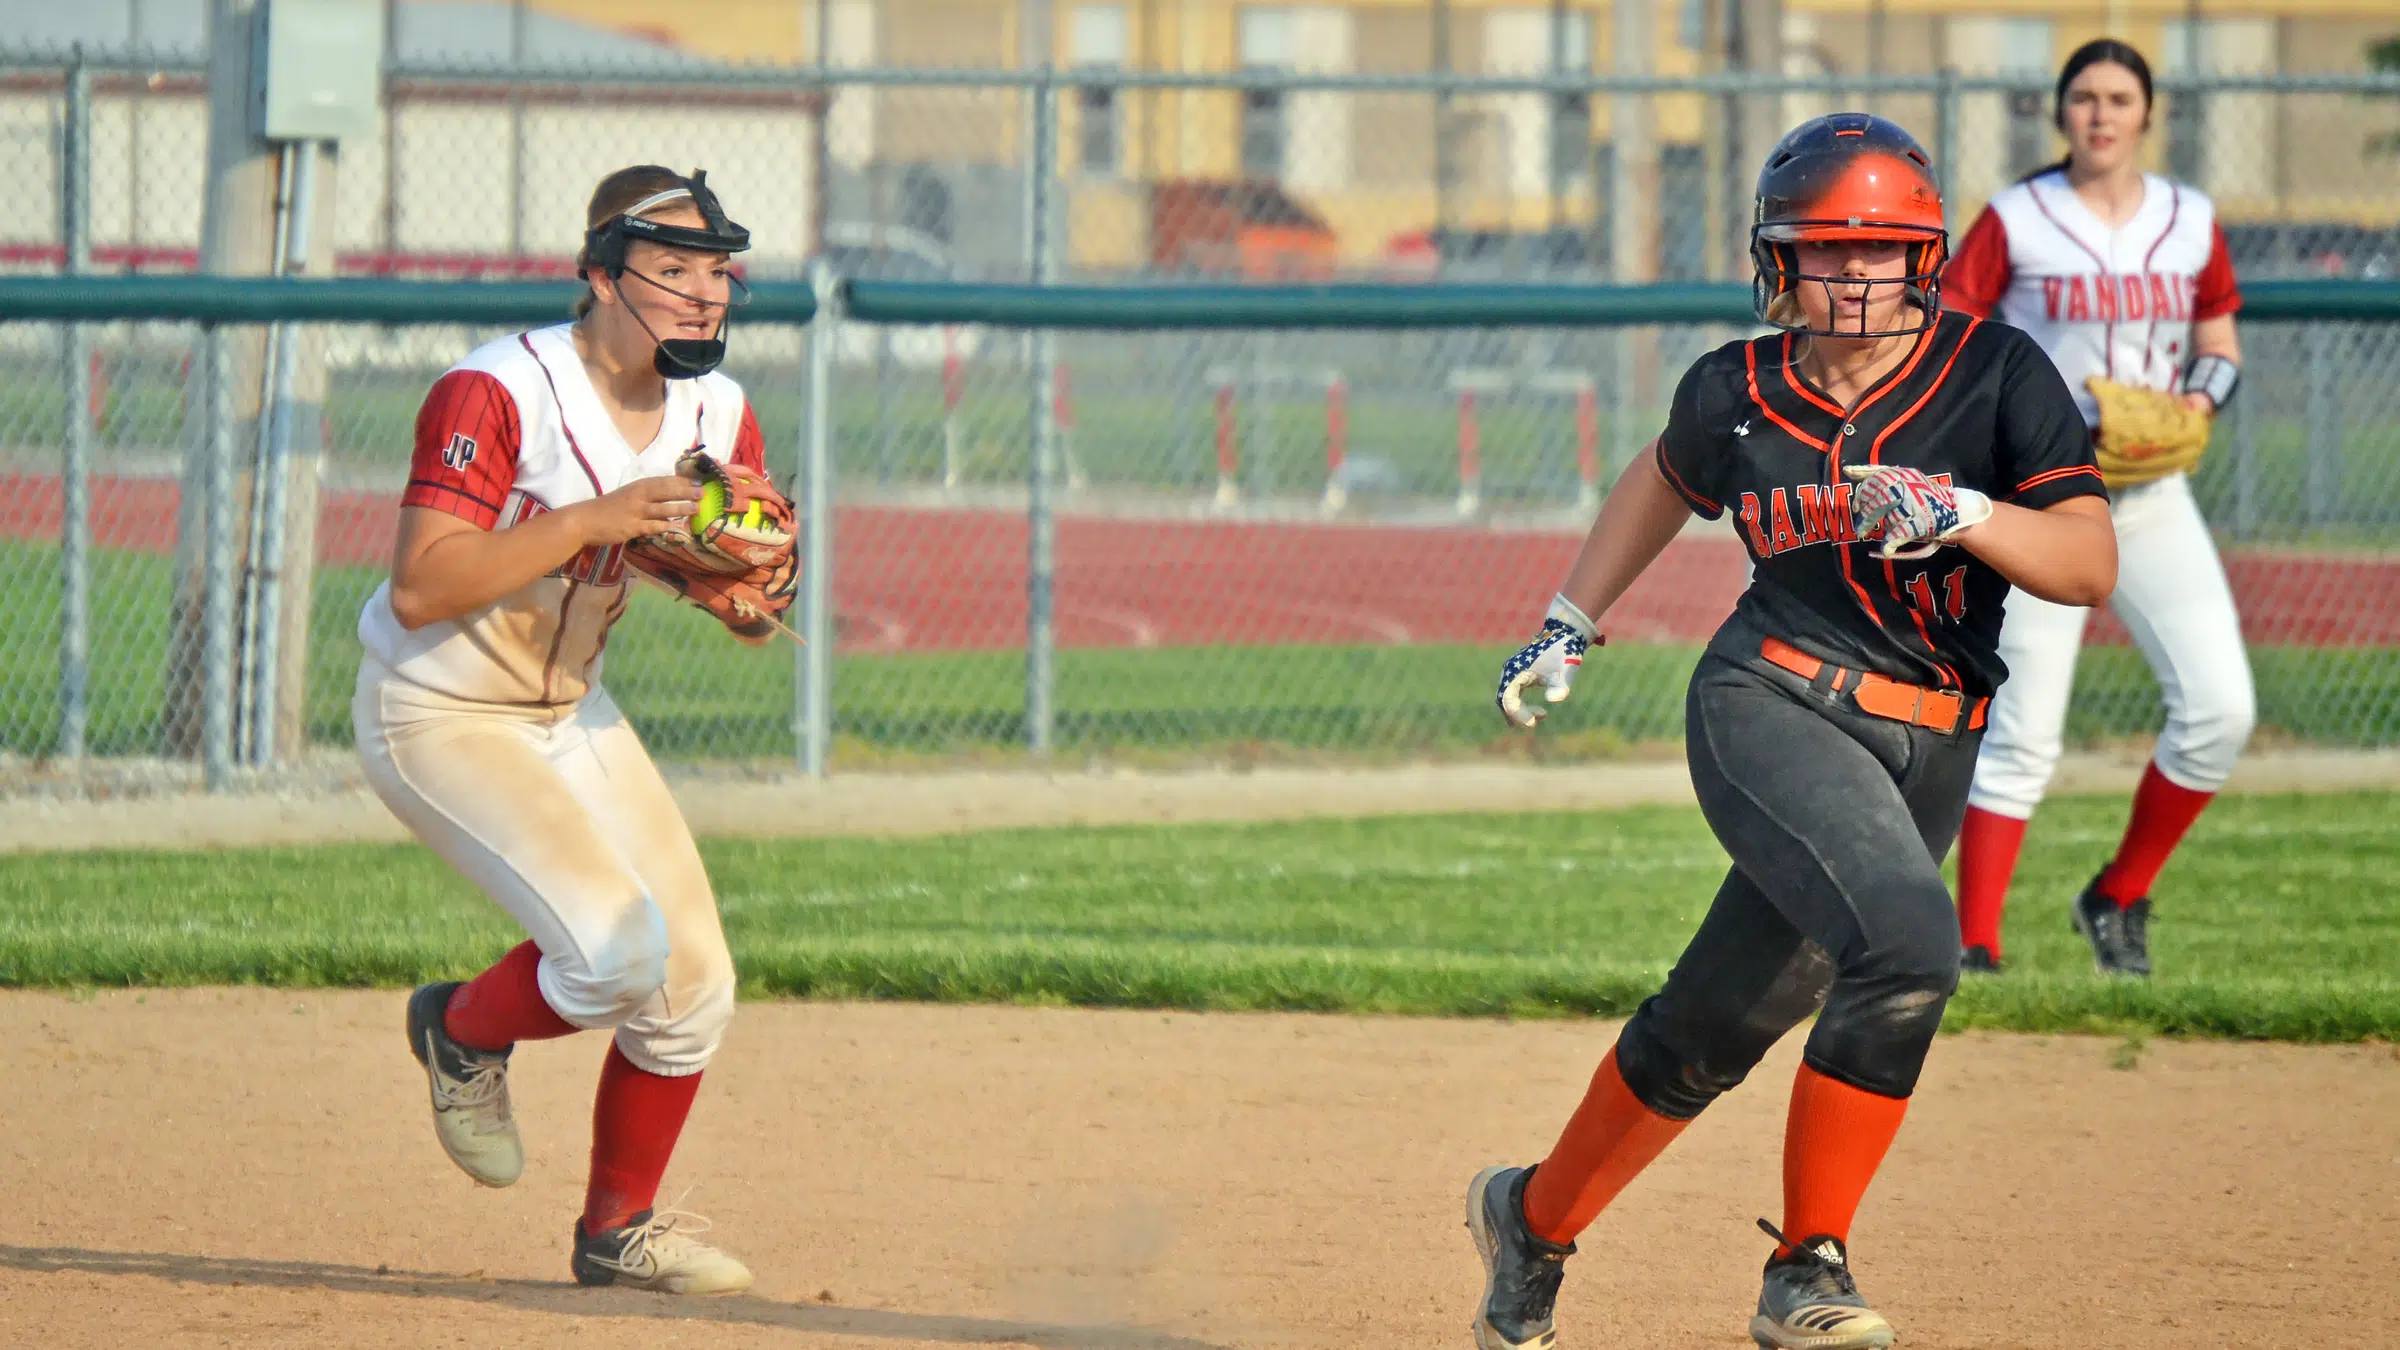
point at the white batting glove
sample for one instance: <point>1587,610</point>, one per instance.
<point>1912,514</point>
<point>1550,660</point>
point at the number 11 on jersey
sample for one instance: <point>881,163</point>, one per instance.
<point>1954,595</point>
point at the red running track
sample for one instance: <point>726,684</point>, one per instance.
<point>908,580</point>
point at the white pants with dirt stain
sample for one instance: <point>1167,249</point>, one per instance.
<point>2173,599</point>
<point>559,816</point>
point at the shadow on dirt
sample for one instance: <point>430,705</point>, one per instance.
<point>566,1298</point>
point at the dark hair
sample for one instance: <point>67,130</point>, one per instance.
<point>618,191</point>
<point>2098,51</point>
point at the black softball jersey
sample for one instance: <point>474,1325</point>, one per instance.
<point>1976,404</point>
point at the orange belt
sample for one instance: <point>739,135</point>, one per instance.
<point>1881,696</point>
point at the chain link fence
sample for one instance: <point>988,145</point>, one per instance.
<point>1267,543</point>
<point>1286,542</point>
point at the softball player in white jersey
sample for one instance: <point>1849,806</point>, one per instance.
<point>2122,275</point>
<point>483,725</point>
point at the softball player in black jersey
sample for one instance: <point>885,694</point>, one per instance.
<point>1893,470</point>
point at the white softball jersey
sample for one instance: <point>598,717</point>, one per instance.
<point>512,431</point>
<point>2118,303</point>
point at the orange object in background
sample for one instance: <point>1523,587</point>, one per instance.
<point>1252,230</point>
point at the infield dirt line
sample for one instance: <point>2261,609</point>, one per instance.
<point>943,803</point>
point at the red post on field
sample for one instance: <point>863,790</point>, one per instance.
<point>954,392</point>
<point>1337,427</point>
<point>99,387</point>
<point>1470,454</point>
<point>1062,406</point>
<point>1337,442</point>
<point>1227,463</point>
<point>1587,441</point>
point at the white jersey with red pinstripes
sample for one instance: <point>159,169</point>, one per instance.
<point>512,431</point>
<point>2117,303</point>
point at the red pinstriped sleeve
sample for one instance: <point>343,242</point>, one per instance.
<point>1978,274</point>
<point>466,455</point>
<point>750,448</point>
<point>2215,293</point>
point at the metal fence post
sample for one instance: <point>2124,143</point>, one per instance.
<point>815,713</point>
<point>1041,526</point>
<point>1945,141</point>
<point>2245,468</point>
<point>275,472</point>
<point>2324,476</point>
<point>216,569</point>
<point>75,474</point>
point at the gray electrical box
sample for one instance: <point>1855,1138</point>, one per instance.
<point>317,68</point>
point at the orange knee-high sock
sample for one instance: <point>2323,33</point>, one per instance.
<point>1832,1143</point>
<point>636,1120</point>
<point>504,1005</point>
<point>1607,1142</point>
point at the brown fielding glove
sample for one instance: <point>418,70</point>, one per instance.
<point>740,565</point>
<point>2144,434</point>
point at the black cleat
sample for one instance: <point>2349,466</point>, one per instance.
<point>1522,1271</point>
<point>1808,1301</point>
<point>2102,923</point>
<point>1978,960</point>
<point>2134,925</point>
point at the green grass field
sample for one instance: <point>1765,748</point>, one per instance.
<point>2275,921</point>
<point>709,699</point>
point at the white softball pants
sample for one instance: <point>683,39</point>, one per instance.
<point>559,816</point>
<point>2173,599</point>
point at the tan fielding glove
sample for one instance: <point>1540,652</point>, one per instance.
<point>2145,434</point>
<point>736,558</point>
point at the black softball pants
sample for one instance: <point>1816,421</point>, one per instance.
<point>1836,822</point>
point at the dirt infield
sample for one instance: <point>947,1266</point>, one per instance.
<point>252,1168</point>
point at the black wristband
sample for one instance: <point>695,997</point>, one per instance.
<point>2214,376</point>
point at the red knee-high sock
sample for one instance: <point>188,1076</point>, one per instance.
<point>635,1121</point>
<point>1833,1141</point>
<point>1607,1142</point>
<point>2161,813</point>
<point>503,1005</point>
<point>1987,858</point>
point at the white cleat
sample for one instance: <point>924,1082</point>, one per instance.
<point>471,1113</point>
<point>656,1253</point>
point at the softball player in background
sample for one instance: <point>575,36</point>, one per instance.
<point>483,725</point>
<point>2121,276</point>
<point>1833,720</point>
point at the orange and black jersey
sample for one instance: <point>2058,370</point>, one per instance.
<point>1975,403</point>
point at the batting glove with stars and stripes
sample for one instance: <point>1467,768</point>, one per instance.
<point>1550,660</point>
<point>1912,514</point>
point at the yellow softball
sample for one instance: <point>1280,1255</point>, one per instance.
<point>712,506</point>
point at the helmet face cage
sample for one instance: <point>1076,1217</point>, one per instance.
<point>607,244</point>
<point>1775,258</point>
<point>1846,177</point>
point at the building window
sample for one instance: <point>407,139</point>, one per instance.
<point>2025,53</point>
<point>1268,43</point>
<point>1691,24</point>
<point>1568,51</point>
<point>1099,47</point>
